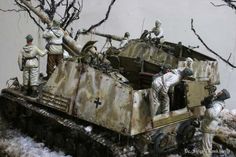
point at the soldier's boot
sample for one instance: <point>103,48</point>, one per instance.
<point>34,92</point>
<point>25,90</point>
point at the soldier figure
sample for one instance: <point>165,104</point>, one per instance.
<point>125,39</point>
<point>214,106</point>
<point>91,55</point>
<point>164,69</point>
<point>160,86</point>
<point>157,30</point>
<point>54,37</point>
<point>29,63</point>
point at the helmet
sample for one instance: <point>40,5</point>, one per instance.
<point>188,59</point>
<point>157,23</point>
<point>127,34</point>
<point>166,68</point>
<point>56,23</point>
<point>223,95</point>
<point>29,37</point>
<point>187,72</point>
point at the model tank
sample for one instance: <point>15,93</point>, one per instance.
<point>95,109</point>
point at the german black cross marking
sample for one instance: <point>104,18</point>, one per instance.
<point>97,102</point>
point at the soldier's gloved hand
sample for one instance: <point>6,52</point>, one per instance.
<point>190,78</point>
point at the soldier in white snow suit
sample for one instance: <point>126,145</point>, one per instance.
<point>160,86</point>
<point>29,63</point>
<point>211,120</point>
<point>157,30</point>
<point>54,37</point>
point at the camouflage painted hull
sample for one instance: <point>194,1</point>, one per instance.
<point>59,130</point>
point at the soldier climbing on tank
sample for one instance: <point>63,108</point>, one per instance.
<point>160,86</point>
<point>29,63</point>
<point>214,105</point>
<point>54,37</point>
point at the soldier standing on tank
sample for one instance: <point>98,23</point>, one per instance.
<point>54,37</point>
<point>211,120</point>
<point>161,85</point>
<point>29,63</point>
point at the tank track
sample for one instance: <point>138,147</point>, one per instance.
<point>97,138</point>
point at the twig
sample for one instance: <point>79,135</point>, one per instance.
<point>228,3</point>
<point>198,36</point>
<point>12,10</point>
<point>218,5</point>
<point>229,57</point>
<point>30,15</point>
<point>103,20</point>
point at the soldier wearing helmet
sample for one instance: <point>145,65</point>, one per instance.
<point>164,69</point>
<point>54,37</point>
<point>211,120</point>
<point>160,86</point>
<point>29,63</point>
<point>125,39</point>
<point>157,30</point>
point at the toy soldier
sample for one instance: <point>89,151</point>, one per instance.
<point>189,62</point>
<point>160,86</point>
<point>157,30</point>
<point>125,39</point>
<point>164,69</point>
<point>90,55</point>
<point>214,106</point>
<point>29,63</point>
<point>53,36</point>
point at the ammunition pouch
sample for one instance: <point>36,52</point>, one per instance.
<point>24,60</point>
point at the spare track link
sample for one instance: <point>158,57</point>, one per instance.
<point>117,151</point>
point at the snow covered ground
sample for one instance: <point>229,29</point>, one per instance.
<point>15,144</point>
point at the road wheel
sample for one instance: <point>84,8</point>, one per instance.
<point>161,142</point>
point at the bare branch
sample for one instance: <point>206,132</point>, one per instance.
<point>30,15</point>
<point>229,57</point>
<point>72,12</point>
<point>228,3</point>
<point>12,10</point>
<point>218,5</point>
<point>199,38</point>
<point>103,20</point>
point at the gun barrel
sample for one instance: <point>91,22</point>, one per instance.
<point>113,37</point>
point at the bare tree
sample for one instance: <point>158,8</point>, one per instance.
<point>209,49</point>
<point>70,11</point>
